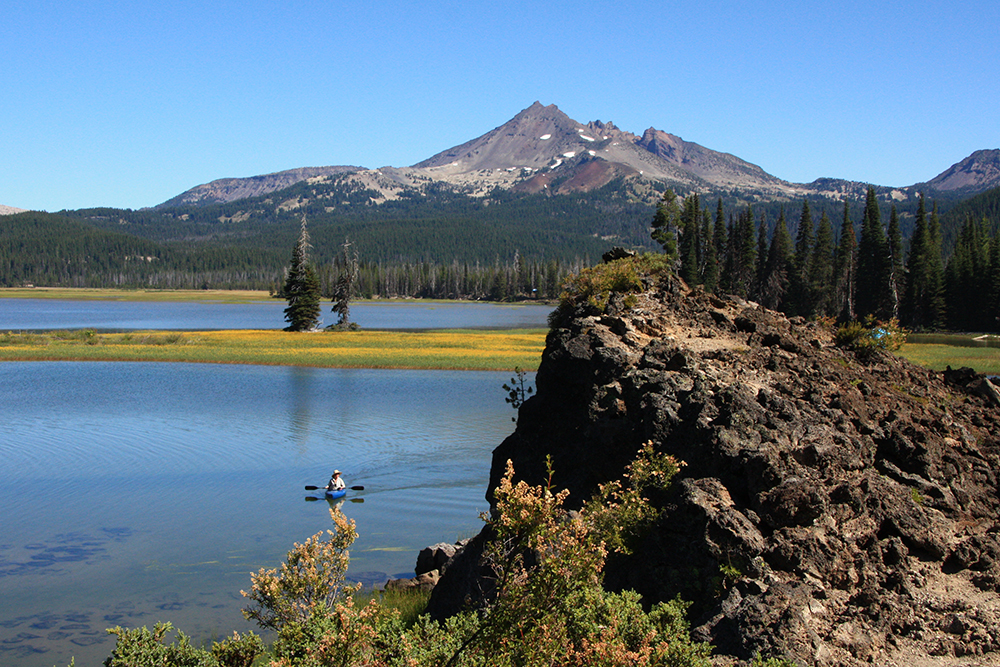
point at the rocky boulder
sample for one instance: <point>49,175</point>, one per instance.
<point>435,557</point>
<point>833,510</point>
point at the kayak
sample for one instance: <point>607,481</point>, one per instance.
<point>334,495</point>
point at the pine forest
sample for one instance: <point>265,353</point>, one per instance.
<point>848,260</point>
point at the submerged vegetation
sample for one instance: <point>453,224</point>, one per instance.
<point>445,349</point>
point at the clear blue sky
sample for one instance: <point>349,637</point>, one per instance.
<point>128,103</point>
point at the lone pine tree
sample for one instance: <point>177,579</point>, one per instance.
<point>302,289</point>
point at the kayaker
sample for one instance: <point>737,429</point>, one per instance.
<point>335,483</point>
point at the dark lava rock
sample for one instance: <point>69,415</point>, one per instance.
<point>856,498</point>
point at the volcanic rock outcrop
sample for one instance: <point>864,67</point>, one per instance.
<point>834,509</point>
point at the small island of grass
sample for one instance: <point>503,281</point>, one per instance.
<point>440,349</point>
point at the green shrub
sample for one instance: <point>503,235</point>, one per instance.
<point>141,647</point>
<point>594,286</point>
<point>311,579</point>
<point>872,336</point>
<point>621,512</point>
<point>550,607</point>
<point>238,651</point>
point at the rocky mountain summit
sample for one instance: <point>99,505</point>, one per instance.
<point>834,509</point>
<point>543,149</point>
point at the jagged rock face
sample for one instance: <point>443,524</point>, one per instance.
<point>853,504</point>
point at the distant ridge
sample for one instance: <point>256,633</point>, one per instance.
<point>231,189</point>
<point>10,210</point>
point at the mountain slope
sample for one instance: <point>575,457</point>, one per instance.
<point>976,173</point>
<point>225,190</point>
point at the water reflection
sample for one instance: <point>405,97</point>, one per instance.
<point>301,388</point>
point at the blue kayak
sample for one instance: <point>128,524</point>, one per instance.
<point>334,495</point>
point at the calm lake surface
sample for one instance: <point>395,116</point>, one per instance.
<point>140,492</point>
<point>46,314</point>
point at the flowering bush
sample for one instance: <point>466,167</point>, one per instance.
<point>548,605</point>
<point>310,580</point>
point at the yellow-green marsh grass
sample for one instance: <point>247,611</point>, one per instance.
<point>448,350</point>
<point>937,357</point>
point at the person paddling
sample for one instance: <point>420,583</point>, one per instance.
<point>335,483</point>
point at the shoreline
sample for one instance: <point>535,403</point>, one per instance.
<point>210,296</point>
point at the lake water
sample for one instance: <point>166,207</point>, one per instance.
<point>48,314</point>
<point>139,492</point>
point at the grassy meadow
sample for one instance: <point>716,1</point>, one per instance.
<point>938,356</point>
<point>447,350</point>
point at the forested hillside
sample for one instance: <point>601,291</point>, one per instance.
<point>934,268</point>
<point>984,208</point>
<point>850,267</point>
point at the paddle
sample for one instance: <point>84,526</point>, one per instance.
<point>317,488</point>
<point>313,499</point>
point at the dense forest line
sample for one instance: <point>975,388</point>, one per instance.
<point>436,225</point>
<point>808,269</point>
<point>441,244</point>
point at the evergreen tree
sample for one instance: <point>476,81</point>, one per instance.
<point>727,280</point>
<point>872,285</point>
<point>917,297</point>
<point>800,300</point>
<point>913,312</point>
<point>710,272</point>
<point>846,268</point>
<point>720,236</point>
<point>968,280</point>
<point>760,270</point>
<point>665,222</point>
<point>346,285</point>
<point>302,289</point>
<point>743,249</point>
<point>936,309</point>
<point>780,262</point>
<point>688,243</point>
<point>821,269</point>
<point>993,301</point>
<point>897,273</point>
